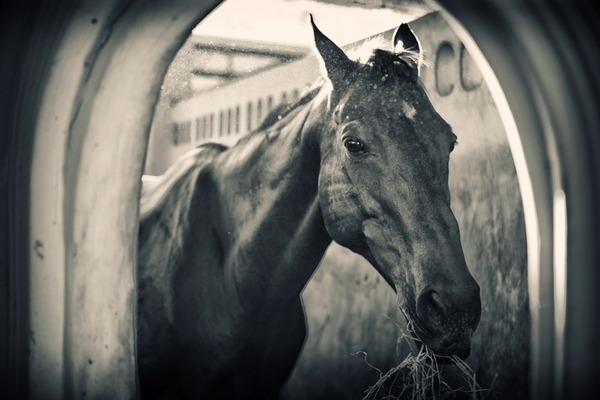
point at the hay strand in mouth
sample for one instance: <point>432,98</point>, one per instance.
<point>419,377</point>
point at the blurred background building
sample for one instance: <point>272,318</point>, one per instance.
<point>242,61</point>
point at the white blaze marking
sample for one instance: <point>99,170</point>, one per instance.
<point>408,110</point>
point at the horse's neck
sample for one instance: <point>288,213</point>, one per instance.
<point>272,229</point>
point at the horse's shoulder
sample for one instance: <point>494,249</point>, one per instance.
<point>155,189</point>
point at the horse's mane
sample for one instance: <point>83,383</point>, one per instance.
<point>284,109</point>
<point>400,65</point>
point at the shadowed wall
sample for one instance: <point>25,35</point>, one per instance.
<point>351,311</point>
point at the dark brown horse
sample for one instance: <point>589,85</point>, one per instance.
<point>229,237</point>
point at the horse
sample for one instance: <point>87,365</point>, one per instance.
<point>229,236</point>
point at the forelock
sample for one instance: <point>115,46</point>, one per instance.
<point>402,65</point>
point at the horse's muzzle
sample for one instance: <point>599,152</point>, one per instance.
<point>448,322</point>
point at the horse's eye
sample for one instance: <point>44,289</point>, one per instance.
<point>354,145</point>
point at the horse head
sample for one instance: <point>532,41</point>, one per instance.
<point>383,188</point>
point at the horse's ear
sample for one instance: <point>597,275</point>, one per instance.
<point>405,37</point>
<point>337,64</point>
<point>405,40</point>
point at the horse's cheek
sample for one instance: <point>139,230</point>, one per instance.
<point>339,213</point>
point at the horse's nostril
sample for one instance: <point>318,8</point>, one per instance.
<point>430,307</point>
<point>436,302</point>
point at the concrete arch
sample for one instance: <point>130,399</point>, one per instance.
<point>91,74</point>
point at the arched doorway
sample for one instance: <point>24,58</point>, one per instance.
<point>70,94</point>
